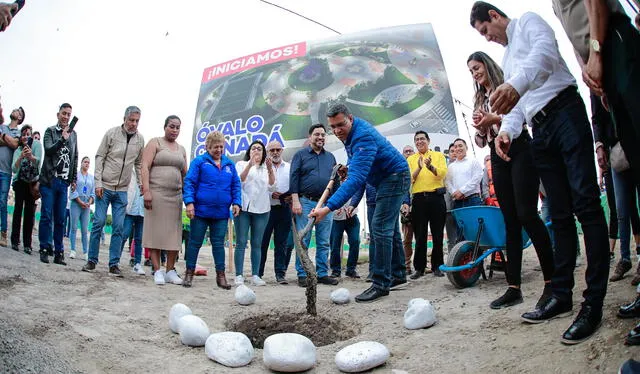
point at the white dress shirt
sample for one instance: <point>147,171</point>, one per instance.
<point>465,176</point>
<point>282,180</point>
<point>256,191</point>
<point>533,66</point>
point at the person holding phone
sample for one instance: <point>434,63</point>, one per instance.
<point>8,11</point>
<point>26,169</point>
<point>9,135</point>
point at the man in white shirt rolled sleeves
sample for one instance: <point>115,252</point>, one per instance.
<point>280,217</point>
<point>540,90</point>
<point>464,178</point>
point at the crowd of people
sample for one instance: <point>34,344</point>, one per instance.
<point>527,110</point>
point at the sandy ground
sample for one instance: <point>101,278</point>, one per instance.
<point>59,319</point>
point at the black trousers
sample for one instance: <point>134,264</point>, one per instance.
<point>621,83</point>
<point>24,203</point>
<point>611,201</point>
<point>516,183</point>
<point>428,211</point>
<point>562,148</point>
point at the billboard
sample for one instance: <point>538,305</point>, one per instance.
<point>392,77</point>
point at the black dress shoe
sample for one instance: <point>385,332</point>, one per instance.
<point>553,308</point>
<point>630,310</point>
<point>302,282</point>
<point>633,338</point>
<point>282,280</point>
<point>371,294</point>
<point>353,275</point>
<point>44,256</point>
<point>586,323</point>
<point>438,273</point>
<point>15,247</point>
<point>511,297</point>
<point>397,284</point>
<point>328,280</point>
<point>416,274</point>
<point>58,258</point>
<point>335,274</point>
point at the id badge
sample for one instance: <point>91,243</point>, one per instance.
<point>84,190</point>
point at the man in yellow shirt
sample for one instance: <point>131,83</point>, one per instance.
<point>428,209</point>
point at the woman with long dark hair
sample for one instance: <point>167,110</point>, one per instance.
<point>516,184</point>
<point>258,181</point>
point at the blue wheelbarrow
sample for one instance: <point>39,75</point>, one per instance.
<point>465,261</point>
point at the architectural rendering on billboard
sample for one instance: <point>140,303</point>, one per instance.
<point>393,77</point>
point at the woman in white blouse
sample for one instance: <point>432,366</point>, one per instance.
<point>258,181</point>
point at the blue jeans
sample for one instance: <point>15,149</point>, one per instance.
<point>352,227</point>
<point>118,201</point>
<point>5,182</point>
<point>52,215</point>
<point>323,232</point>
<point>257,223</point>
<point>78,213</point>
<point>371,210</point>
<point>133,224</point>
<point>626,204</point>
<point>562,149</point>
<point>280,225</point>
<point>389,258</point>
<point>471,201</point>
<point>217,230</point>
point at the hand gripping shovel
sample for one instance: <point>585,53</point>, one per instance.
<point>303,252</point>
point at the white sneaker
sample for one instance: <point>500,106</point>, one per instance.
<point>239,280</point>
<point>173,277</point>
<point>72,254</point>
<point>256,281</point>
<point>86,256</point>
<point>158,277</point>
<point>138,269</point>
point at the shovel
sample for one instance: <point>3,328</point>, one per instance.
<point>303,252</point>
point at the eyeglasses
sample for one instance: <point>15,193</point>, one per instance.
<point>274,150</point>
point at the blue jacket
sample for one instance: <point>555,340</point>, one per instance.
<point>212,190</point>
<point>371,158</point>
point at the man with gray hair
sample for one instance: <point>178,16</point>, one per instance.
<point>280,218</point>
<point>119,152</point>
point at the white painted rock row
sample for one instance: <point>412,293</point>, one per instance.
<point>362,356</point>
<point>245,295</point>
<point>289,353</point>
<point>193,331</point>
<point>340,296</point>
<point>232,349</point>
<point>177,311</point>
<point>420,314</point>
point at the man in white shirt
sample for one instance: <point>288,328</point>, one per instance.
<point>280,217</point>
<point>540,90</point>
<point>464,178</point>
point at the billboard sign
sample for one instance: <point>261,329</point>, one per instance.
<point>392,77</point>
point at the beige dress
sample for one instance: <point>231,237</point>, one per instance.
<point>163,223</point>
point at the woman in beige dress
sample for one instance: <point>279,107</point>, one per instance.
<point>164,165</point>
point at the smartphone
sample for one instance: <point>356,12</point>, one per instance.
<point>20,4</point>
<point>73,122</point>
<point>30,142</point>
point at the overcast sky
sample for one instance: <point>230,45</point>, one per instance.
<point>102,56</point>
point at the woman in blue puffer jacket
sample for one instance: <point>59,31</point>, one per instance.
<point>211,186</point>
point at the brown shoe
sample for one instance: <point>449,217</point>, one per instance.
<point>636,279</point>
<point>188,278</point>
<point>3,239</point>
<point>221,280</point>
<point>621,269</point>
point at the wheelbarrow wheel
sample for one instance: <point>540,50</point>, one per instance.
<point>461,254</point>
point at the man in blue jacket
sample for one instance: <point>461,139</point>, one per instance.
<point>373,160</point>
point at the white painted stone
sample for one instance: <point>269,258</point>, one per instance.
<point>420,314</point>
<point>229,348</point>
<point>289,353</point>
<point>193,331</point>
<point>245,295</point>
<point>177,311</point>
<point>340,296</point>
<point>361,356</point>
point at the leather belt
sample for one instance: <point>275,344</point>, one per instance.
<point>309,197</point>
<point>553,105</point>
<point>425,194</point>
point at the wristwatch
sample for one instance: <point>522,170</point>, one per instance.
<point>595,45</point>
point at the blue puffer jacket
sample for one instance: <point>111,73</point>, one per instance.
<point>371,158</point>
<point>212,190</point>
